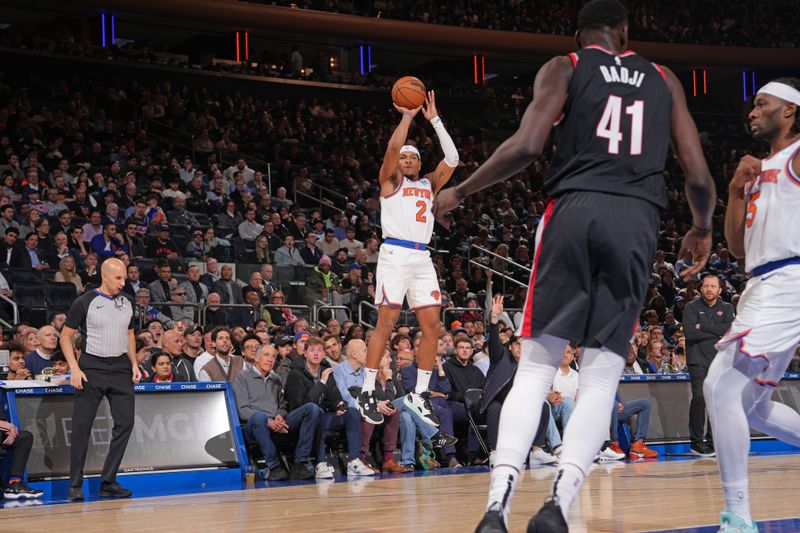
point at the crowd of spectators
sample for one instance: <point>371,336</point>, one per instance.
<point>718,22</point>
<point>81,184</point>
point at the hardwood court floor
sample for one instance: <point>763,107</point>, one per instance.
<point>621,498</point>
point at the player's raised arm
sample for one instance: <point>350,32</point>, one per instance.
<point>446,167</point>
<point>526,144</point>
<point>700,190</point>
<point>388,171</point>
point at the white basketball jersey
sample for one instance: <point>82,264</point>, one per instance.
<point>772,228</point>
<point>406,213</point>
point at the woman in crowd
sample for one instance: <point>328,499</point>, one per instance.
<point>68,273</point>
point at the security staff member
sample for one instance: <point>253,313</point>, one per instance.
<point>705,321</point>
<point>107,368</point>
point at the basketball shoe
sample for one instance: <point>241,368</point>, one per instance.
<point>368,407</point>
<point>731,523</point>
<point>421,404</point>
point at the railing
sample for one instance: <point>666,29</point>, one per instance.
<point>15,314</point>
<point>502,275</point>
<point>304,308</point>
<point>324,200</point>
<point>319,305</point>
<point>372,307</point>
<point>479,310</point>
<point>204,309</point>
<point>162,305</point>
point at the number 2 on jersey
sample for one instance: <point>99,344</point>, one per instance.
<point>421,213</point>
<point>609,125</point>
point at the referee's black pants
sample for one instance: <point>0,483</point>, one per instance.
<point>109,377</point>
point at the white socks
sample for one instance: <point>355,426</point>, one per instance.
<point>538,363</point>
<point>423,380</point>
<point>588,426</point>
<point>369,379</point>
<point>737,499</point>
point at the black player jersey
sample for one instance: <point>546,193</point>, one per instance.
<point>615,131</point>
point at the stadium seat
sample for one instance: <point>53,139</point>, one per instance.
<point>472,399</point>
<point>30,297</point>
<point>60,295</point>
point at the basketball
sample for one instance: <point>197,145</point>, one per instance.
<point>408,92</point>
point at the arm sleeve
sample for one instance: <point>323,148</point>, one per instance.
<point>448,146</point>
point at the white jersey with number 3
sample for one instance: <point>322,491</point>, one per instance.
<point>406,213</point>
<point>772,228</point>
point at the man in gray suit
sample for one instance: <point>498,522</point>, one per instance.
<point>196,292</point>
<point>160,288</point>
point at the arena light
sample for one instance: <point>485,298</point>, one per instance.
<point>361,58</point>
<point>753,76</point>
<point>103,28</point>
<point>705,83</point>
<point>238,53</point>
<point>744,84</point>
<point>475,68</point>
<point>369,58</point>
<point>113,33</point>
<point>247,45</point>
<point>694,83</point>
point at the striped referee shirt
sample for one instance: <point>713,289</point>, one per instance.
<point>103,322</point>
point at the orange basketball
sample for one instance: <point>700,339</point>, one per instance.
<point>408,92</point>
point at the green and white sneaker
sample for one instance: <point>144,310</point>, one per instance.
<point>731,523</point>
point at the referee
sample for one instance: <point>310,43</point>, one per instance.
<point>107,368</point>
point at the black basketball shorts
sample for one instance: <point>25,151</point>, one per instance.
<point>591,269</point>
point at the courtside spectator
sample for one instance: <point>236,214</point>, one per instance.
<point>16,361</point>
<point>624,412</point>
<point>39,360</point>
<point>261,405</point>
<point>463,375</point>
<point>223,366</point>
<point>310,380</point>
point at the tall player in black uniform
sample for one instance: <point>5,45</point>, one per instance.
<point>594,246</point>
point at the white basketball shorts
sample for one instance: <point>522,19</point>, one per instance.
<point>767,326</point>
<point>406,273</point>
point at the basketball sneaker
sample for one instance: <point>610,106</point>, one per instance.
<point>20,489</point>
<point>492,522</point>
<point>368,407</point>
<point>640,449</point>
<point>421,404</point>
<point>356,467</point>
<point>732,523</point>
<point>549,519</point>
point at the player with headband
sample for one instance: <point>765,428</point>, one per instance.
<point>762,224</point>
<point>405,269</point>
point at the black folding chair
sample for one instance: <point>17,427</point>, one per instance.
<point>472,400</point>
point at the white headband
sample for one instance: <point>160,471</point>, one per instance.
<point>782,91</point>
<point>413,149</point>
